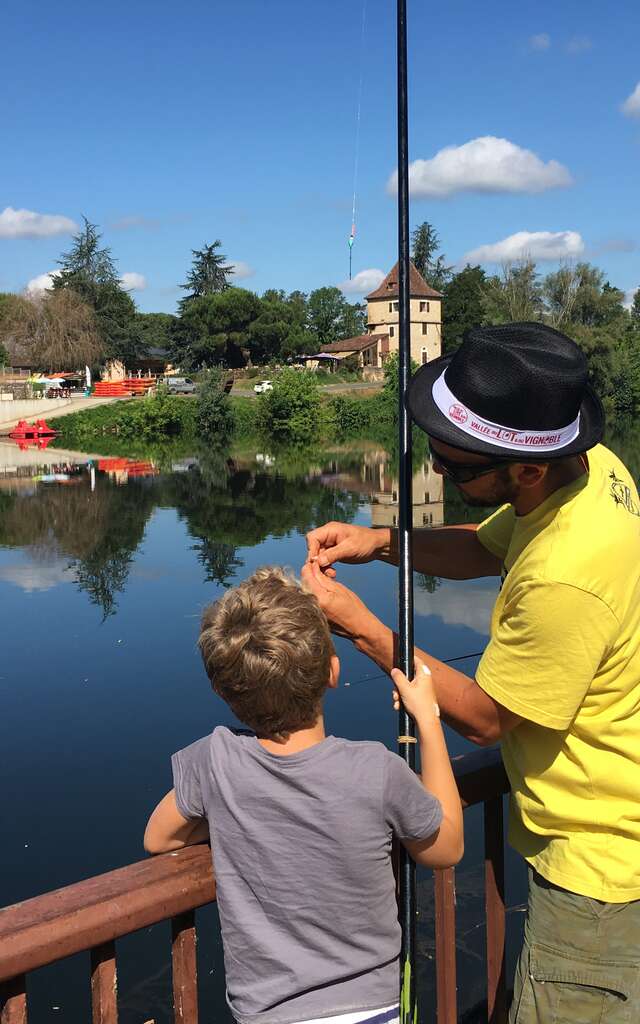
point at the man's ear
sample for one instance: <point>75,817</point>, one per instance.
<point>530,474</point>
<point>334,671</point>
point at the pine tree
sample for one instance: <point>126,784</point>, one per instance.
<point>425,244</point>
<point>208,274</point>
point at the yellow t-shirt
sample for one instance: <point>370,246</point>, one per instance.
<point>564,654</point>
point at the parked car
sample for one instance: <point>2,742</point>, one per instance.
<point>262,386</point>
<point>181,385</point>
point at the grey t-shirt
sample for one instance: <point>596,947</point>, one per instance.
<point>301,849</point>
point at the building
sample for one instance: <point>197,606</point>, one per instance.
<point>381,340</point>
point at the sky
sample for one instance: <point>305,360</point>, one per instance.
<point>173,125</point>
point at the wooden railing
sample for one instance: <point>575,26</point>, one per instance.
<point>91,915</point>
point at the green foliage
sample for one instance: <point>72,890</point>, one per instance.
<point>331,317</point>
<point>4,356</point>
<point>514,295</point>
<point>214,415</point>
<point>349,416</point>
<point>216,327</point>
<point>89,271</point>
<point>156,330</point>
<point>291,412</point>
<point>139,420</point>
<point>208,275</point>
<point>425,245</point>
<point>462,306</point>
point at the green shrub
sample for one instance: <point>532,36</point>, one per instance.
<point>292,411</point>
<point>245,412</point>
<point>349,415</point>
<point>214,415</point>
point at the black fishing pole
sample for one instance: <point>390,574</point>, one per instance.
<point>407,736</point>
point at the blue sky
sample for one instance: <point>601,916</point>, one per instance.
<point>171,125</point>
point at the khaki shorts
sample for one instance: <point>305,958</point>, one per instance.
<point>580,962</point>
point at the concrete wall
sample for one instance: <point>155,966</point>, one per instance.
<point>44,408</point>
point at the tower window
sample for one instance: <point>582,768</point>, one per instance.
<point>395,306</point>
<point>424,356</point>
<point>425,328</point>
<point>424,307</point>
<point>391,307</point>
<point>392,332</point>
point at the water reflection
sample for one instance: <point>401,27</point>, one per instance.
<point>80,519</point>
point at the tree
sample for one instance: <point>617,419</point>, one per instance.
<point>331,317</point>
<point>635,308</point>
<point>87,266</point>
<point>215,329</point>
<point>57,330</point>
<point>4,355</point>
<point>156,330</point>
<point>463,305</point>
<point>214,415</point>
<point>89,271</point>
<point>515,295</point>
<point>425,244</point>
<point>581,295</point>
<point>291,412</point>
<point>326,307</point>
<point>208,275</point>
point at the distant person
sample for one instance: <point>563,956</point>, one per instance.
<point>301,823</point>
<point>512,421</point>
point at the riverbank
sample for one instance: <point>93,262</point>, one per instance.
<point>296,411</point>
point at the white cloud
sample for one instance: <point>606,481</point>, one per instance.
<point>631,106</point>
<point>579,44</point>
<point>542,41</point>
<point>535,245</point>
<point>629,297</point>
<point>364,281</point>
<point>27,224</point>
<point>467,603</point>
<point>241,269</point>
<point>486,164</point>
<point>37,577</point>
<point>37,285</point>
<point>133,282</point>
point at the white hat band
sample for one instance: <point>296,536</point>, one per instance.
<point>503,437</point>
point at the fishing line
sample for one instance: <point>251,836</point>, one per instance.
<point>384,675</point>
<point>356,160</point>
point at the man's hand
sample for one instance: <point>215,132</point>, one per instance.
<point>345,611</point>
<point>341,542</point>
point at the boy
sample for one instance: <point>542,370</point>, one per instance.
<point>301,823</point>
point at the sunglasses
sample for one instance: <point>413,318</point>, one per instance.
<point>464,472</point>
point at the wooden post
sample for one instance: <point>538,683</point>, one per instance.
<point>185,975</point>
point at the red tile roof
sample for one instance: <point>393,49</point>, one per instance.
<point>418,287</point>
<point>357,344</point>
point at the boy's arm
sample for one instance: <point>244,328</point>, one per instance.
<point>445,847</point>
<point>168,830</point>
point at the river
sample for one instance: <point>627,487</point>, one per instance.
<point>105,567</point>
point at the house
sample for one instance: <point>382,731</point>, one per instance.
<point>381,340</point>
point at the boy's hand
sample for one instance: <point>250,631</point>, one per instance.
<point>342,542</point>
<point>418,695</point>
<point>344,609</point>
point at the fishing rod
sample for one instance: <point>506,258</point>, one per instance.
<point>407,904</point>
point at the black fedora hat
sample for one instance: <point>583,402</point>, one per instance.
<point>517,390</point>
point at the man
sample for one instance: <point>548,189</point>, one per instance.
<point>512,420</point>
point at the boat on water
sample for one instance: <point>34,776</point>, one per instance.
<point>24,431</point>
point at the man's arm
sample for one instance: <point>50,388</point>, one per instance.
<point>452,552</point>
<point>168,830</point>
<point>463,703</point>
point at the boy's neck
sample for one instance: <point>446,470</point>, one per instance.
<point>302,739</point>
